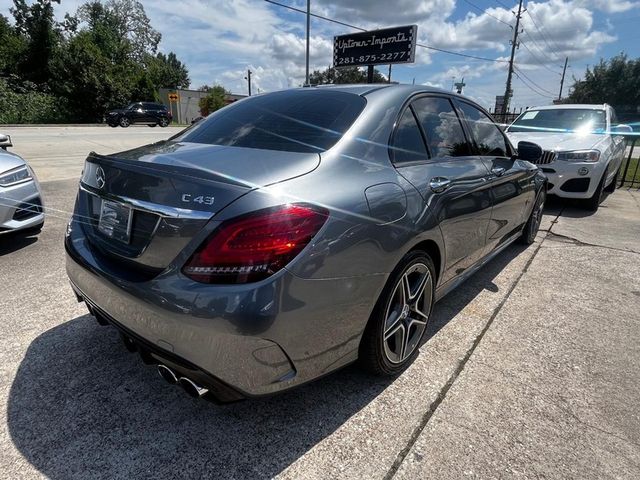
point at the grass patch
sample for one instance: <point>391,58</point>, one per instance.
<point>633,172</point>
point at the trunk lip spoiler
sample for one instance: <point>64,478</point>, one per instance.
<point>164,211</point>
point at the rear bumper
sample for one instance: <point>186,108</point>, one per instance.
<point>253,339</point>
<point>20,207</point>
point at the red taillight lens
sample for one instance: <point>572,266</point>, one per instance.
<point>255,246</point>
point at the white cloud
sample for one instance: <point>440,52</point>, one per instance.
<point>609,6</point>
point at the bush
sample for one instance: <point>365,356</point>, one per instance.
<point>29,106</point>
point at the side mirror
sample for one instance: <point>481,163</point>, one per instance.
<point>529,151</point>
<point>621,129</point>
<point>5,141</point>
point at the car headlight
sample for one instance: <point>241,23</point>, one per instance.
<point>579,156</point>
<point>15,176</point>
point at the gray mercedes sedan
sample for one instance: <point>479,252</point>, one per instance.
<point>292,233</point>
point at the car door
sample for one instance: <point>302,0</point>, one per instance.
<point>451,181</point>
<point>137,113</point>
<point>511,181</point>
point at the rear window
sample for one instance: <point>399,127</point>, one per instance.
<point>294,121</point>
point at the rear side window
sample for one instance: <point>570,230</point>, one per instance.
<point>487,137</point>
<point>297,121</point>
<point>445,137</point>
<point>408,145</point>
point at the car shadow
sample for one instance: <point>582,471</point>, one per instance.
<point>572,208</point>
<point>12,242</point>
<point>453,303</point>
<point>81,407</point>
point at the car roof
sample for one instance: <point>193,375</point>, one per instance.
<point>571,106</point>
<point>388,88</point>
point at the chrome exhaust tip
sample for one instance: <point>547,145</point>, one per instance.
<point>193,389</point>
<point>166,373</point>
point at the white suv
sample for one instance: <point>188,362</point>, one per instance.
<point>583,148</point>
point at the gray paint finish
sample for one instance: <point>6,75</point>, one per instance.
<point>316,308</point>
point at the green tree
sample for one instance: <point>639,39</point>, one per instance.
<point>167,71</point>
<point>134,25</point>
<point>343,75</point>
<point>12,48</point>
<point>36,24</point>
<point>213,101</point>
<point>615,81</point>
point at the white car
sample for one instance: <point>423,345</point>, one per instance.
<point>583,148</point>
<point>21,206</point>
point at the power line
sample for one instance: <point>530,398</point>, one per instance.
<point>518,70</point>
<point>544,37</point>
<point>355,27</point>
<point>503,5</point>
<point>540,62</point>
<point>530,87</point>
<point>486,13</point>
<point>539,47</point>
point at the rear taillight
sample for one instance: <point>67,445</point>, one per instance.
<point>254,246</point>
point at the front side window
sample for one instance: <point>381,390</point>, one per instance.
<point>408,145</point>
<point>487,137</point>
<point>310,120</point>
<point>445,137</point>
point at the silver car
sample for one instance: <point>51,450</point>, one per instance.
<point>292,233</point>
<point>21,205</point>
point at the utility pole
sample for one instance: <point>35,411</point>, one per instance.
<point>389,73</point>
<point>564,70</point>
<point>306,81</point>
<point>248,79</point>
<point>514,45</point>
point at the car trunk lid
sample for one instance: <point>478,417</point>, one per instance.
<point>143,206</point>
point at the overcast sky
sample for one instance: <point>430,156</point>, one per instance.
<point>219,40</point>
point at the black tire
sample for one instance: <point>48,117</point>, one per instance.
<point>164,122</point>
<point>124,122</point>
<point>153,125</point>
<point>389,325</point>
<point>113,125</point>
<point>594,202</point>
<point>533,223</point>
<point>612,186</point>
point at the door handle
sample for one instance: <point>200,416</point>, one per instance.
<point>498,171</point>
<point>439,184</point>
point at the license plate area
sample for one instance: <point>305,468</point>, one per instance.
<point>115,221</point>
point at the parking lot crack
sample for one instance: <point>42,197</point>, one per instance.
<point>557,237</point>
<point>426,417</point>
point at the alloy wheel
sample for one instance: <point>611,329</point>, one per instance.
<point>537,214</point>
<point>407,313</point>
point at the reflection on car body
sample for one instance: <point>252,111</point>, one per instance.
<point>341,215</point>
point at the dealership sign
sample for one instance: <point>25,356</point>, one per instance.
<point>389,45</point>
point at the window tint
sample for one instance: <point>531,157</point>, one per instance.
<point>310,120</point>
<point>445,137</point>
<point>486,134</point>
<point>408,145</point>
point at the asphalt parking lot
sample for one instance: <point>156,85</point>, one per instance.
<point>530,369</point>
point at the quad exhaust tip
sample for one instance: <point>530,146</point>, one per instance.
<point>192,388</point>
<point>166,373</point>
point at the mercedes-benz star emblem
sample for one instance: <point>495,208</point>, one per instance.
<point>100,177</point>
